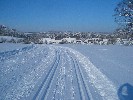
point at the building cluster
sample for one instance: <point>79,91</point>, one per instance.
<point>89,41</point>
<point>68,37</point>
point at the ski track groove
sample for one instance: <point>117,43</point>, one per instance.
<point>89,95</point>
<point>100,81</point>
<point>61,86</point>
<point>25,86</point>
<point>78,75</point>
<point>44,97</point>
<point>57,85</point>
<point>4,72</point>
<point>75,60</point>
<point>68,59</point>
<point>51,71</point>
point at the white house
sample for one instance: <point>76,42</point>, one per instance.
<point>131,42</point>
<point>52,41</point>
<point>79,42</point>
<point>104,42</point>
<point>118,41</point>
<point>125,41</point>
<point>95,39</point>
<point>92,40</point>
<point>69,40</point>
<point>46,40</point>
<point>57,41</point>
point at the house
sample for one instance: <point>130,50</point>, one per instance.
<point>46,40</point>
<point>92,40</point>
<point>79,41</point>
<point>53,41</point>
<point>125,42</point>
<point>69,40</point>
<point>118,41</point>
<point>88,41</point>
<point>57,41</point>
<point>104,42</point>
<point>50,41</point>
<point>131,42</point>
<point>95,39</point>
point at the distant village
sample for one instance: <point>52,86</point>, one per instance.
<point>8,35</point>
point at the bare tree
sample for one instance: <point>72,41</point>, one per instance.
<point>124,16</point>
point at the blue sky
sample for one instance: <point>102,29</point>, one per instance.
<point>59,15</point>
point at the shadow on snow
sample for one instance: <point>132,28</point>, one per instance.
<point>125,92</point>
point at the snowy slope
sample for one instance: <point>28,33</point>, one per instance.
<point>9,38</point>
<point>114,61</point>
<point>49,72</point>
<point>11,46</point>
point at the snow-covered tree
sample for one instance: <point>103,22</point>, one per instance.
<point>124,16</point>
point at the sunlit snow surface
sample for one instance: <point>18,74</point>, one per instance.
<point>64,72</point>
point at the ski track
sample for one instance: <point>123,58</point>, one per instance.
<point>83,86</point>
<point>104,86</point>
<point>52,73</point>
<point>12,69</point>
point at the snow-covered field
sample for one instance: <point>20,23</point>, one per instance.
<point>65,72</point>
<point>11,46</point>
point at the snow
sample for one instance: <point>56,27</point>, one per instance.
<point>70,40</point>
<point>9,38</point>
<point>68,72</point>
<point>110,59</point>
<point>11,46</point>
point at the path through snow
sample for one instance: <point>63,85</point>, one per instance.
<point>50,73</point>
